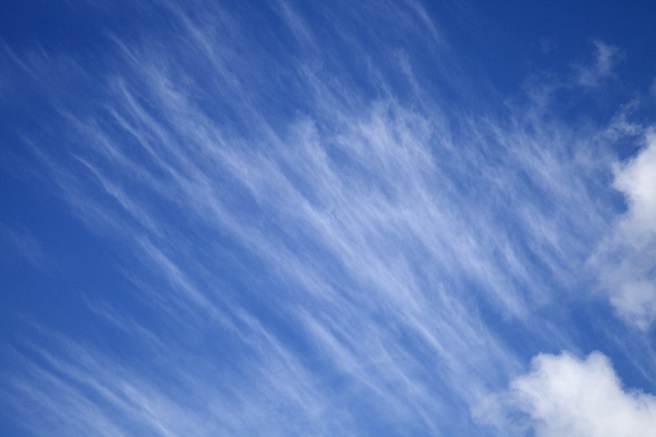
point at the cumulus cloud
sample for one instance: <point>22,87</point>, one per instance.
<point>564,395</point>
<point>626,259</point>
<point>637,180</point>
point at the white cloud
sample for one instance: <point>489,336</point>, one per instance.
<point>635,300</point>
<point>563,395</point>
<point>626,259</point>
<point>637,181</point>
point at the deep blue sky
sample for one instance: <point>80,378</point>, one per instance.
<point>327,218</point>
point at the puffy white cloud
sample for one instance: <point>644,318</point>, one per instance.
<point>637,180</point>
<point>626,260</point>
<point>563,395</point>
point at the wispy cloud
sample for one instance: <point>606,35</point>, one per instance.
<point>20,243</point>
<point>310,251</point>
<point>606,57</point>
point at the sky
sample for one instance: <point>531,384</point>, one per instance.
<point>372,218</point>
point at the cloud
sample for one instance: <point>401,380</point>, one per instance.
<point>352,266</point>
<point>565,395</point>
<point>625,259</point>
<point>21,243</point>
<point>636,179</point>
<point>606,57</point>
<point>303,249</point>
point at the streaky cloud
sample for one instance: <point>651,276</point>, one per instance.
<point>313,241</point>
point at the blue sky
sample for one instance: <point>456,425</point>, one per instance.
<point>327,218</point>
